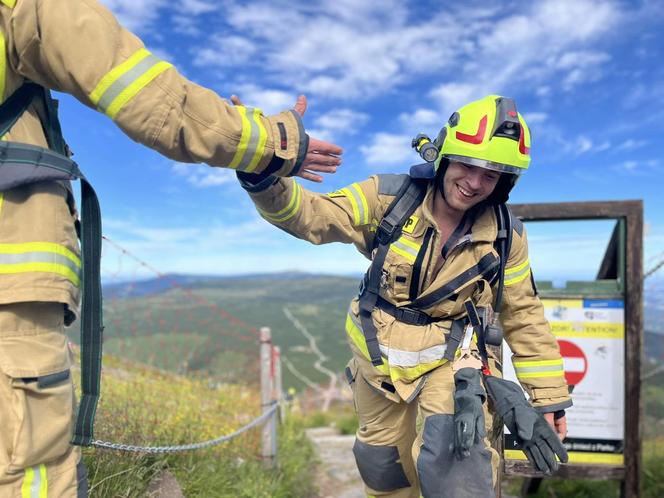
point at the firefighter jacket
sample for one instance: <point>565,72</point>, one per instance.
<point>77,47</point>
<point>351,215</point>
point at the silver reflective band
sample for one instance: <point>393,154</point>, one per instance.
<point>256,136</point>
<point>548,368</point>
<point>400,358</point>
<point>410,250</point>
<point>39,257</point>
<point>125,80</point>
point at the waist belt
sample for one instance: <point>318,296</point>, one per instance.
<point>404,314</point>
<point>416,317</point>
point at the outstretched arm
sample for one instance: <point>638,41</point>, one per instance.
<point>78,47</point>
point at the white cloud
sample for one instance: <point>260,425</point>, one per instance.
<point>339,122</point>
<point>136,15</point>
<point>388,149</point>
<point>422,119</point>
<point>631,144</point>
<point>196,7</point>
<point>639,168</point>
<point>270,101</point>
<point>202,176</point>
<point>535,117</point>
<point>225,51</point>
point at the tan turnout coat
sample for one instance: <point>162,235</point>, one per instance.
<point>77,47</point>
<point>351,215</point>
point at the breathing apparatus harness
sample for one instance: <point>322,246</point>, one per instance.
<point>408,198</point>
<point>22,164</point>
<point>452,144</point>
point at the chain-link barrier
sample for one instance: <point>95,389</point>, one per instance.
<point>188,447</point>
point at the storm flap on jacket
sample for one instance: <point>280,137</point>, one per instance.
<point>351,215</point>
<point>79,48</point>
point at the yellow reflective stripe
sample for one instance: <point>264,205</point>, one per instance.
<point>538,363</point>
<point>409,243</point>
<point>357,337</point>
<point>406,248</point>
<point>41,267</point>
<point>538,375</point>
<point>539,369</point>
<point>262,139</point>
<point>412,373</point>
<point>35,483</point>
<point>402,253</point>
<point>517,274</point>
<point>9,3</point>
<point>516,269</point>
<point>364,213</point>
<point>289,211</point>
<point>115,73</point>
<point>27,483</point>
<point>353,204</point>
<point>251,148</point>
<point>123,82</point>
<point>43,487</point>
<point>244,138</point>
<point>40,247</point>
<point>138,84</point>
<point>577,457</point>
<point>3,66</point>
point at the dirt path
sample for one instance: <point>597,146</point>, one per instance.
<point>337,476</point>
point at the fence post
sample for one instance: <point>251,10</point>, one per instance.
<point>269,432</point>
<point>278,387</point>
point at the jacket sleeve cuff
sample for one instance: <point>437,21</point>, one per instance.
<point>254,183</point>
<point>554,408</point>
<point>290,142</point>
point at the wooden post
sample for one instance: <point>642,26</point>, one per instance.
<point>278,387</point>
<point>269,439</point>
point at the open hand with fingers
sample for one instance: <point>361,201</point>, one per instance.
<point>321,157</point>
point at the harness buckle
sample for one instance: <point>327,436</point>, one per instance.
<point>385,231</point>
<point>413,317</point>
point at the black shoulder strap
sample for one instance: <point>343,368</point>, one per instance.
<point>503,246</point>
<point>21,164</point>
<point>409,197</point>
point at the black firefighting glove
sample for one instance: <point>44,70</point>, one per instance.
<point>469,396</point>
<point>538,440</point>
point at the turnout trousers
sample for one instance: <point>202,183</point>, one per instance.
<point>37,405</point>
<point>403,450</point>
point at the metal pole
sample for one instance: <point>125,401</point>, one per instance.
<point>268,438</point>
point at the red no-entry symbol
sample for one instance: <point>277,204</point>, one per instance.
<point>574,362</point>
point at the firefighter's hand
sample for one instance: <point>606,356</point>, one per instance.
<point>322,157</point>
<point>559,425</point>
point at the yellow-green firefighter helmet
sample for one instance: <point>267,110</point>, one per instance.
<point>488,133</point>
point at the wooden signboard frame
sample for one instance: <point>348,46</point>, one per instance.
<point>630,254</point>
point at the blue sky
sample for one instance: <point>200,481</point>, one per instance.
<point>586,74</point>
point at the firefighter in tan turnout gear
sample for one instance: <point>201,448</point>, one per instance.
<point>447,256</point>
<point>77,46</point>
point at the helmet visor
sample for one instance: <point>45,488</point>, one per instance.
<point>499,167</point>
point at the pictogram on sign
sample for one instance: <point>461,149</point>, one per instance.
<point>575,362</point>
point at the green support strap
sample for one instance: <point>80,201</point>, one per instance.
<point>22,164</point>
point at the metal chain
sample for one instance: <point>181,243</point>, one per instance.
<point>187,447</point>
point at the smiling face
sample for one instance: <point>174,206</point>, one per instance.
<point>465,186</point>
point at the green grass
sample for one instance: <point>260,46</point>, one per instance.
<point>147,407</point>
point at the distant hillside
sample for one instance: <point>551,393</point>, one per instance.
<point>654,346</point>
<point>185,323</point>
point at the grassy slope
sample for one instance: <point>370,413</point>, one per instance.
<point>144,406</point>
